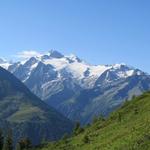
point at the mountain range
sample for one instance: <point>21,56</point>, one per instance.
<point>77,89</point>
<point>26,114</point>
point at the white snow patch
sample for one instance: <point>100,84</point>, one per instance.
<point>98,70</point>
<point>130,73</point>
<point>5,65</point>
<point>57,63</point>
<point>34,66</point>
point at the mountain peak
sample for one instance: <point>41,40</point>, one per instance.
<point>74,58</point>
<point>119,65</point>
<point>2,60</point>
<point>4,64</point>
<point>55,54</point>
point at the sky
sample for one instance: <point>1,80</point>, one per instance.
<point>98,31</point>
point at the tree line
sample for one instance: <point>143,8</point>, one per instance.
<point>7,143</point>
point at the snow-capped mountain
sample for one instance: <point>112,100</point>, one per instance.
<point>83,74</point>
<point>77,89</point>
<point>5,64</point>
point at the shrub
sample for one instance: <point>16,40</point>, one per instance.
<point>86,139</point>
<point>78,129</point>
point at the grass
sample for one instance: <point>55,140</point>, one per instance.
<point>128,128</point>
<point>26,112</point>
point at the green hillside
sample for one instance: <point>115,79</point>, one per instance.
<point>26,114</point>
<point>128,128</point>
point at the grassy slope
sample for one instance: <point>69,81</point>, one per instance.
<point>26,114</point>
<point>131,131</point>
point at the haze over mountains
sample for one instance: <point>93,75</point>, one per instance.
<point>77,89</point>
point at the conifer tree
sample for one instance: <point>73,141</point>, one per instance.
<point>78,129</point>
<point>64,138</point>
<point>86,139</point>
<point>8,144</point>
<point>95,119</point>
<point>119,117</point>
<point>1,140</point>
<point>24,144</point>
<point>18,147</point>
<point>77,126</point>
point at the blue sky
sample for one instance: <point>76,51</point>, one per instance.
<point>99,31</point>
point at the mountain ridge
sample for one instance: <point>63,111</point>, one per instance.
<point>26,114</point>
<point>72,64</point>
<point>75,88</point>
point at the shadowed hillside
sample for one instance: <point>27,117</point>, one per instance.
<point>26,114</point>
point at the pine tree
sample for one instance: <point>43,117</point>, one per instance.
<point>95,119</point>
<point>8,144</point>
<point>27,143</point>
<point>136,111</point>
<point>18,147</point>
<point>77,126</point>
<point>119,117</point>
<point>101,118</point>
<point>78,129</point>
<point>133,97</point>
<point>1,140</point>
<point>24,144</point>
<point>65,138</point>
<point>86,139</point>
